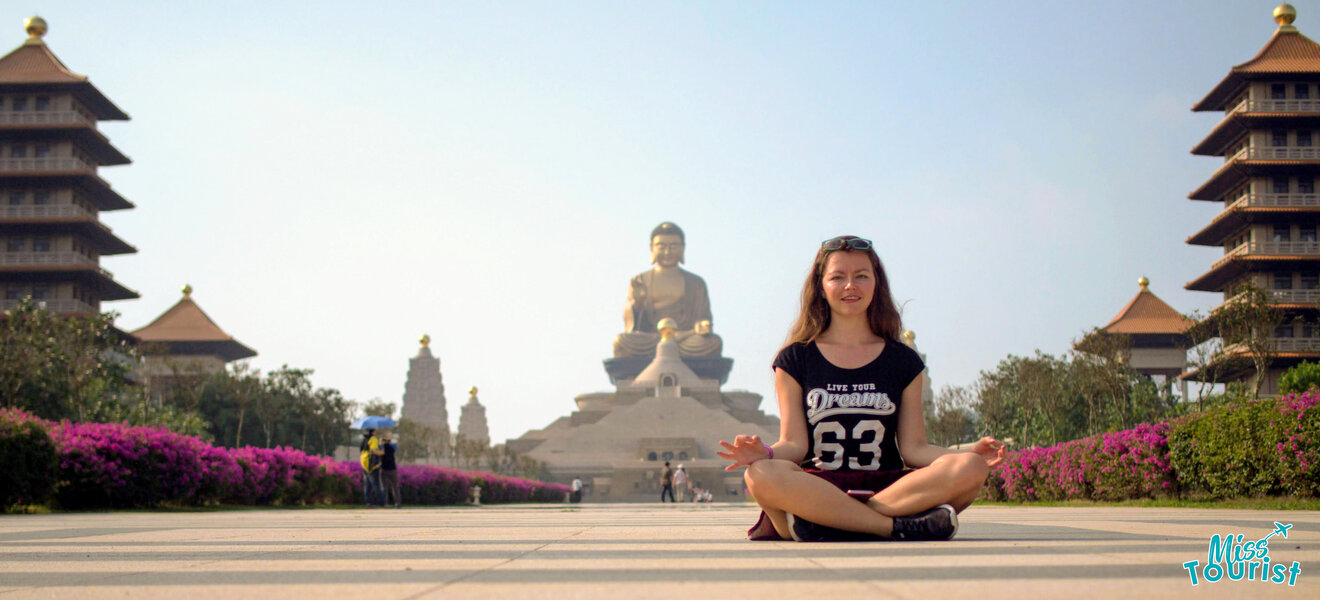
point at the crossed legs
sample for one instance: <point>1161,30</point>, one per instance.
<point>780,487</point>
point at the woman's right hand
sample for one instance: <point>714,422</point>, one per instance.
<point>745,450</point>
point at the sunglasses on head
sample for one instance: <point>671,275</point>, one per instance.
<point>853,243</point>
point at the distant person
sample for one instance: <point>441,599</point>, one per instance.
<point>667,479</point>
<point>851,421</point>
<point>681,483</point>
<point>576,495</point>
<point>389,471</point>
<point>370,457</point>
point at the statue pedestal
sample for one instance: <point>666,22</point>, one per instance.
<point>706,367</point>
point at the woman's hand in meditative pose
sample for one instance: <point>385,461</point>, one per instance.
<point>745,450</point>
<point>990,449</point>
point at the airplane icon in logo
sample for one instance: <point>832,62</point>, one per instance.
<point>1279,529</point>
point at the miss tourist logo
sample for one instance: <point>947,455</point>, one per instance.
<point>1228,555</point>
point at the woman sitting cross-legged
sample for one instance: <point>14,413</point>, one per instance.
<point>852,461</point>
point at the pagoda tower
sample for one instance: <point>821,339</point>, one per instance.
<point>184,342</point>
<point>51,235</point>
<point>1270,141</point>
<point>472,421</point>
<point>424,394</point>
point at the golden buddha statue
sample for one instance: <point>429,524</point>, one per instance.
<point>666,291</point>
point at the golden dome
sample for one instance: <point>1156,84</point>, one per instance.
<point>1143,282</point>
<point>187,290</point>
<point>426,340</point>
<point>666,327</point>
<point>35,26</point>
<point>472,391</point>
<point>1285,14</point>
<point>909,337</point>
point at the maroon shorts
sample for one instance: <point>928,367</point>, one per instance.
<point>864,484</point>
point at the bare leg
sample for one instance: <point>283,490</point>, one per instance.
<point>780,486</point>
<point>954,479</point>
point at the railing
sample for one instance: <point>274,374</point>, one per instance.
<point>1269,249</point>
<point>44,163</point>
<point>45,210</point>
<point>43,117</point>
<point>1285,297</point>
<point>33,259</point>
<point>62,305</point>
<point>1275,153</point>
<point>1276,201</point>
<point>1295,344</point>
<point>1276,106</point>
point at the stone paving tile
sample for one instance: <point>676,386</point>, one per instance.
<point>622,551</point>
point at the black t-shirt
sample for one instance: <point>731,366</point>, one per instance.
<point>852,414</point>
<point>387,461</point>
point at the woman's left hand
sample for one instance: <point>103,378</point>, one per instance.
<point>990,449</point>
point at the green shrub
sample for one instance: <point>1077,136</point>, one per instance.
<point>1300,378</point>
<point>31,463</point>
<point>1231,451</point>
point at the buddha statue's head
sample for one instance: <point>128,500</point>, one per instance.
<point>667,245</point>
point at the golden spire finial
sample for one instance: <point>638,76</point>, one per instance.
<point>35,27</point>
<point>666,327</point>
<point>909,337</point>
<point>1284,15</point>
<point>1143,282</point>
<point>187,290</point>
<point>426,340</point>
<point>472,392</point>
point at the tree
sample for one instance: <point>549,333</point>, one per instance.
<point>376,407</point>
<point>1300,378</point>
<point>419,443</point>
<point>1244,327</point>
<point>950,419</point>
<point>288,410</point>
<point>61,367</point>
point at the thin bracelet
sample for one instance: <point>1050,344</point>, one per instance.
<point>770,450</point>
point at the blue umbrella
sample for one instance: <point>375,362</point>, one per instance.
<point>372,423</point>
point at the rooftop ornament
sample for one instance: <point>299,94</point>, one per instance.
<point>187,290</point>
<point>35,27</point>
<point>1284,15</point>
<point>426,340</point>
<point>1143,282</point>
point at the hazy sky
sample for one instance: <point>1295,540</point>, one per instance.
<point>336,179</point>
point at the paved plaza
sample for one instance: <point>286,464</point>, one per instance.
<point>626,551</point>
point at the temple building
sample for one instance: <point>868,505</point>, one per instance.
<point>1269,139</point>
<point>424,395</point>
<point>184,343</point>
<point>472,421</point>
<point>50,149</point>
<point>1157,335</point>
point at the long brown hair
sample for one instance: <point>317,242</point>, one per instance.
<point>814,317</point>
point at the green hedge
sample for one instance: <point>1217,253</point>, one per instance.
<point>31,467</point>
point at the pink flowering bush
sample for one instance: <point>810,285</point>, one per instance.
<point>1298,420</point>
<point>98,465</point>
<point>1119,465</point>
<point>501,488</point>
<point>118,466</point>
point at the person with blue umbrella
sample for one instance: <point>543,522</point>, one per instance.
<point>371,457</point>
